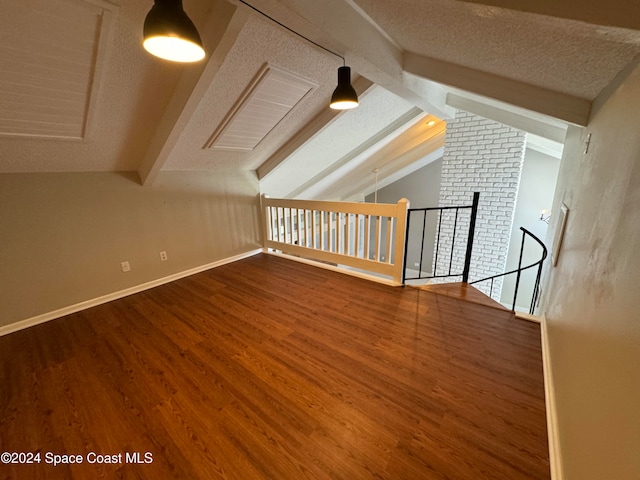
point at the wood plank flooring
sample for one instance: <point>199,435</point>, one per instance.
<point>463,291</point>
<point>271,369</point>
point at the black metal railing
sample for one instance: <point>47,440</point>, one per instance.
<point>518,271</point>
<point>412,212</point>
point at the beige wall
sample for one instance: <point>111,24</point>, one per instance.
<point>592,297</point>
<point>63,235</point>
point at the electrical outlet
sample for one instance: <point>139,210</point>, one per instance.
<point>125,266</point>
<point>163,256</point>
<point>416,264</point>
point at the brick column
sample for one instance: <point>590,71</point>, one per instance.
<point>483,156</point>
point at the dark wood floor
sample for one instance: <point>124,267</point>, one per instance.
<point>268,368</point>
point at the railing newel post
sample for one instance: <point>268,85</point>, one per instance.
<point>515,293</point>
<point>401,238</point>
<point>406,248</point>
<point>472,228</point>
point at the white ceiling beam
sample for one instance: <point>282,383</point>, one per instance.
<point>527,123</point>
<point>352,160</point>
<point>555,104</point>
<point>413,148</point>
<point>546,146</point>
<point>309,131</point>
<point>224,24</point>
<point>404,164</point>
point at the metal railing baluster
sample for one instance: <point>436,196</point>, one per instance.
<point>473,208</point>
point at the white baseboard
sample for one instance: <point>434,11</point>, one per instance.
<point>333,268</point>
<point>46,317</point>
<point>550,401</point>
<point>528,316</point>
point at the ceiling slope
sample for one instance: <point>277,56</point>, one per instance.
<point>53,53</point>
<point>380,115</point>
<point>521,63</point>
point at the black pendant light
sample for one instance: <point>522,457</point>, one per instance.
<point>344,96</point>
<point>170,34</point>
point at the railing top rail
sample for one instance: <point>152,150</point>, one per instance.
<point>544,248</point>
<point>381,209</point>
<point>544,256</point>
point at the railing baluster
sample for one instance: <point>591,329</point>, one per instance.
<point>367,233</point>
<point>378,238</point>
<point>389,232</point>
<point>353,235</point>
<point>290,225</point>
<point>536,290</point>
<point>305,222</point>
<point>280,225</point>
<point>321,229</point>
<point>346,236</point>
<point>472,231</point>
<point>515,293</point>
<point>344,227</point>
<point>336,229</point>
<point>356,232</point>
<point>435,266</point>
<point>424,227</point>
<point>406,249</point>
<point>453,241</point>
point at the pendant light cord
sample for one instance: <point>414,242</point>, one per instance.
<point>293,31</point>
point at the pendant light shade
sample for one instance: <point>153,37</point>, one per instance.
<point>344,96</point>
<point>170,34</point>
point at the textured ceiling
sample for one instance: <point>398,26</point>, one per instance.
<point>143,114</point>
<point>134,90</point>
<point>562,55</point>
<point>261,42</point>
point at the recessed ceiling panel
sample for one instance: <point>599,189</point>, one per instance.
<point>50,56</point>
<point>269,98</point>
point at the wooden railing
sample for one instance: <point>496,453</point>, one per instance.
<point>364,236</point>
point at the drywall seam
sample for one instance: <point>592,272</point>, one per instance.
<point>46,317</point>
<point>555,463</point>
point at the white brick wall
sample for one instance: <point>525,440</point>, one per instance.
<point>483,156</point>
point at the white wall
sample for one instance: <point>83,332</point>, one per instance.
<point>63,235</point>
<point>423,186</point>
<point>537,187</point>
<point>484,156</point>
<point>592,300</point>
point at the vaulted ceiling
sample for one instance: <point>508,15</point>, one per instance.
<point>78,92</point>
